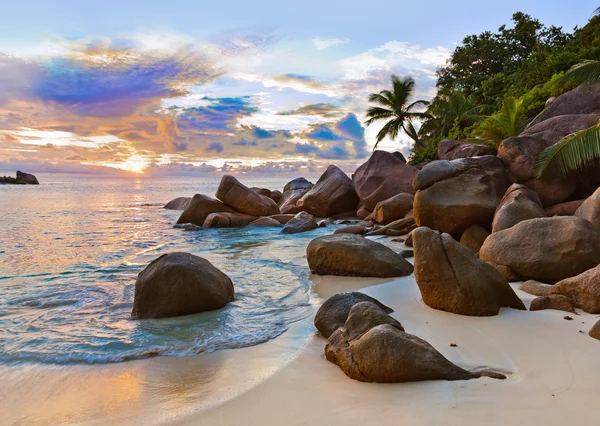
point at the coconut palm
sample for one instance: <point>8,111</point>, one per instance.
<point>455,109</point>
<point>580,149</point>
<point>509,121</point>
<point>393,106</point>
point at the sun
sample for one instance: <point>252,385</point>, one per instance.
<point>135,164</point>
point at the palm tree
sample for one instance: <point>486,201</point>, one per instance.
<point>579,149</point>
<point>392,106</point>
<point>450,110</point>
<point>509,121</point>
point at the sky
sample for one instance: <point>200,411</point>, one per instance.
<point>194,87</point>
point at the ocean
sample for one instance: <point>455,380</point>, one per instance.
<point>71,249</point>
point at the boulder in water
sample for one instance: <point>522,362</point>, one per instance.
<point>199,207</point>
<point>241,198</point>
<point>302,222</point>
<point>332,194</point>
<point>179,203</point>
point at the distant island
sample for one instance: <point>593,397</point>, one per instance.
<point>21,179</point>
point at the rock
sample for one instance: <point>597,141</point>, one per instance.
<point>408,242</point>
<point>453,195</point>
<point>595,331</point>
<point>399,156</point>
<point>590,209</point>
<point>351,229</point>
<point>362,213</point>
<point>241,198</point>
<point>536,288</point>
<point>364,316</point>
<point>518,204</point>
<point>564,209</point>
<point>228,220</point>
<point>473,237</point>
<point>584,99</point>
<point>302,222</point>
<point>407,254</point>
<point>354,256</point>
<point>556,128</point>
<point>396,228</point>
<point>552,192</point>
<point>452,150</point>
<point>334,312</point>
<point>199,207</point>
<point>387,354</point>
<point>393,208</point>
<point>452,279</point>
<point>191,227</point>
<point>21,179</point>
<point>332,194</point>
<point>519,153</point>
<point>582,290</point>
<point>556,302</point>
<point>178,284</point>
<point>266,192</point>
<point>546,249</point>
<point>265,222</point>
<point>179,203</point>
<point>382,177</point>
<point>292,192</point>
<point>282,218</point>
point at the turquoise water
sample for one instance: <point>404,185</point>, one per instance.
<point>70,251</point>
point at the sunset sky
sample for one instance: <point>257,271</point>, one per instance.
<point>181,87</point>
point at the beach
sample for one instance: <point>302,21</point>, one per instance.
<point>549,363</point>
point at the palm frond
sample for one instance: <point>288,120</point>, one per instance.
<point>381,100</point>
<point>417,104</point>
<point>389,129</point>
<point>377,113</point>
<point>586,72</point>
<point>572,153</point>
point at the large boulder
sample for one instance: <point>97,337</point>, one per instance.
<point>179,203</point>
<point>590,209</point>
<point>552,192</point>
<point>545,249</point>
<point>451,278</point>
<point>333,313</point>
<point>302,222</point>
<point>199,207</point>
<point>26,178</point>
<point>556,128</point>
<point>393,208</point>
<point>518,204</point>
<point>473,237</point>
<point>227,220</point>
<point>241,198</point>
<point>382,177</point>
<point>453,195</point>
<point>452,150</point>
<point>373,347</point>
<point>332,194</point>
<point>292,192</point>
<point>582,290</point>
<point>354,256</point>
<point>180,284</point>
<point>584,99</point>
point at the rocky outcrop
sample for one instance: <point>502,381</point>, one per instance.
<point>241,198</point>
<point>373,347</point>
<point>199,207</point>
<point>180,284</point>
<point>333,313</point>
<point>227,220</point>
<point>21,179</point>
<point>179,203</point>
<point>302,222</point>
<point>453,195</point>
<point>564,209</point>
<point>518,204</point>
<point>265,222</point>
<point>590,209</point>
<point>473,238</point>
<point>382,177</point>
<point>582,290</point>
<point>292,192</point>
<point>556,128</point>
<point>392,209</point>
<point>556,302</point>
<point>584,99</point>
<point>452,150</point>
<point>332,194</point>
<point>354,256</point>
<point>452,279</point>
<point>545,249</point>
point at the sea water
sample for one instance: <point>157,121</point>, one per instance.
<point>71,249</point>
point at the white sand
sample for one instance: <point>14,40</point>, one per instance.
<point>552,368</point>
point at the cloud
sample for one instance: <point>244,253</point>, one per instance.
<point>215,146</point>
<point>322,109</point>
<point>324,43</point>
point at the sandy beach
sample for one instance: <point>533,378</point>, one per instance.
<point>550,364</point>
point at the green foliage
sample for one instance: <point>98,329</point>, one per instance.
<point>393,106</point>
<point>585,72</point>
<point>425,154</point>
<point>572,153</point>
